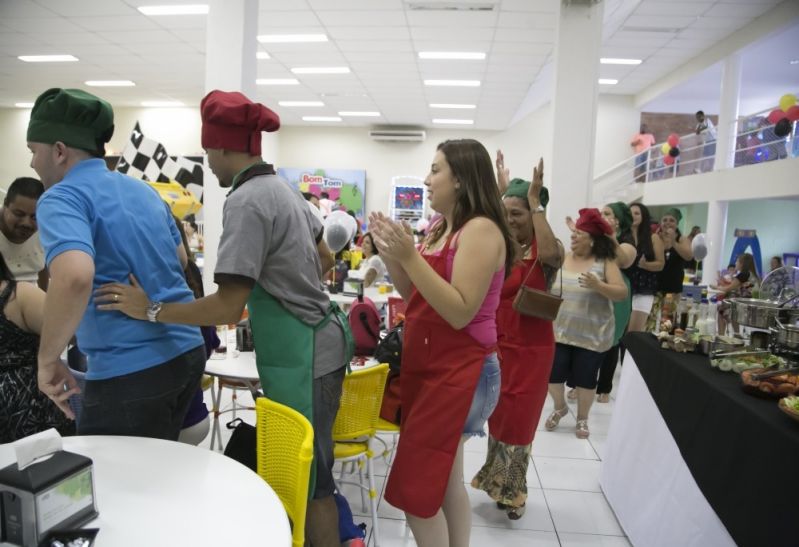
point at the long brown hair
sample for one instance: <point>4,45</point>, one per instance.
<point>478,195</point>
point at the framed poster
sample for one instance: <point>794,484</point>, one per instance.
<point>347,187</point>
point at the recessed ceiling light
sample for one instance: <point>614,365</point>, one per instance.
<point>23,105</point>
<point>360,114</point>
<point>321,119</point>
<point>450,105</point>
<point>262,55</point>
<point>277,81</point>
<point>188,9</point>
<point>109,83</point>
<point>161,104</point>
<point>608,81</point>
<point>452,121</point>
<point>465,55</point>
<point>322,70</point>
<point>291,38</point>
<point>618,61</point>
<point>48,58</point>
<point>453,83</point>
<point>301,103</point>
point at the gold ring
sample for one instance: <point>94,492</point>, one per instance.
<point>116,298</point>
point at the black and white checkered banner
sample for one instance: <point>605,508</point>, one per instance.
<point>148,160</point>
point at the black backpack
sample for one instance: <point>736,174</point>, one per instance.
<point>389,348</point>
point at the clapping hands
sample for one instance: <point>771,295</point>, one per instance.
<point>394,240</point>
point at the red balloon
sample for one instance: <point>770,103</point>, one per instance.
<point>673,140</point>
<point>793,113</point>
<point>776,115</point>
<point>668,160</point>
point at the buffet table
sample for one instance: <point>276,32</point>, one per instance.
<point>693,460</point>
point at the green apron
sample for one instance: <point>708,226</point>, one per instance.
<point>284,353</point>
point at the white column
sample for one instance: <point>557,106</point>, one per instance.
<point>230,65</point>
<point>714,237</point>
<point>728,112</point>
<point>574,104</point>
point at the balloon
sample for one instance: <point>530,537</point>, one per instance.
<point>699,247</point>
<point>340,228</point>
<point>665,148</point>
<point>787,101</point>
<point>793,113</point>
<point>668,160</point>
<point>775,116</point>
<point>673,140</point>
<point>782,128</point>
<point>674,152</point>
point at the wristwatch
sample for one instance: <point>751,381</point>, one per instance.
<point>539,209</point>
<point>153,310</point>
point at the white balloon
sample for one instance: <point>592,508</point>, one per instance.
<point>340,228</point>
<point>699,247</point>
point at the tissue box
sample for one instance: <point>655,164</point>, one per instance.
<point>57,493</point>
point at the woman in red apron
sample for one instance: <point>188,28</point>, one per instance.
<point>526,346</point>
<point>450,376</point>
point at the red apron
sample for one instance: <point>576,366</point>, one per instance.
<point>440,370</point>
<point>526,351</point>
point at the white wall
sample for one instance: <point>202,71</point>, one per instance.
<point>776,222</point>
<point>617,121</point>
<point>15,158</point>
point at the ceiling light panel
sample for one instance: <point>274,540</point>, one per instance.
<point>262,55</point>
<point>619,61</point>
<point>607,81</point>
<point>455,106</point>
<point>452,121</point>
<point>48,58</point>
<point>187,9</point>
<point>23,105</point>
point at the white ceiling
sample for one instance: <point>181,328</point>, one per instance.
<point>766,75</point>
<point>377,39</point>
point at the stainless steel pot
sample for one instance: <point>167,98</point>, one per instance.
<point>787,335</point>
<point>754,313</point>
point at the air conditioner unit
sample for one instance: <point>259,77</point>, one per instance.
<point>401,135</point>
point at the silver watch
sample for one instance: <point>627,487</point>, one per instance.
<point>153,310</point>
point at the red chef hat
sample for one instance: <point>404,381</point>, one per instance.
<point>231,121</point>
<point>591,221</point>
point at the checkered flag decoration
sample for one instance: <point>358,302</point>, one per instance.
<point>148,160</point>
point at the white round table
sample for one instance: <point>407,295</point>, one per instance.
<point>346,300</point>
<point>239,366</point>
<point>163,493</point>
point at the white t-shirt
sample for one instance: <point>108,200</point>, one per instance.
<point>375,263</point>
<point>25,260</point>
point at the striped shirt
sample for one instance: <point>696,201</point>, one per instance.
<point>585,319</point>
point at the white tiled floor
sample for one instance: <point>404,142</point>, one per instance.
<point>565,506</point>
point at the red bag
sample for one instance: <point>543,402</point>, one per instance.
<point>364,322</point>
<point>390,409</point>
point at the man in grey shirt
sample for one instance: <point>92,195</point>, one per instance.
<point>271,257</point>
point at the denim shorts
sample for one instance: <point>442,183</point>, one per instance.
<point>326,400</point>
<point>485,398</point>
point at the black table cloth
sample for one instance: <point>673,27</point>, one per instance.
<point>742,450</point>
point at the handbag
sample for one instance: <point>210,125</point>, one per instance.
<point>242,445</point>
<point>536,303</point>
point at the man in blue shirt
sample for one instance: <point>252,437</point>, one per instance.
<point>98,226</point>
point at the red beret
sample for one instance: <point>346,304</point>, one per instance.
<point>591,221</point>
<point>231,121</point>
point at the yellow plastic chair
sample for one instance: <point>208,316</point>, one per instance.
<point>355,427</point>
<point>285,452</point>
<point>388,428</point>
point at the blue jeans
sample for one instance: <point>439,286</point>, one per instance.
<point>485,398</point>
<point>148,403</point>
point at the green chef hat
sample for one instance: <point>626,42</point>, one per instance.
<point>72,116</point>
<point>623,214</point>
<point>673,212</point>
<point>518,188</point>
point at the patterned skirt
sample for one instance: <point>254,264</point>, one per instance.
<point>504,475</point>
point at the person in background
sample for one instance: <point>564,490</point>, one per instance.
<point>356,239</point>
<point>372,264</point>
<point>641,143</point>
<point>526,345</point>
<point>96,226</point>
<point>24,410</point>
<point>19,236</point>
<point>313,199</point>
<point>326,205</point>
<point>677,251</point>
<point>692,265</point>
<point>744,282</point>
<point>779,279</point>
<point>707,133</point>
<point>271,257</point>
<point>196,423</point>
<point>193,236</point>
<point>584,328</point>
<point>450,371</point>
<point>643,272</point>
